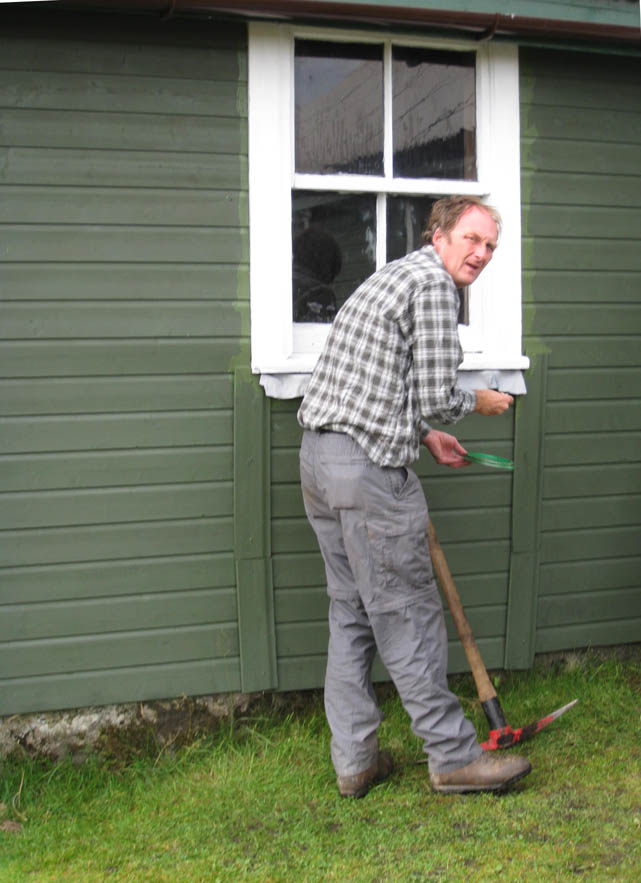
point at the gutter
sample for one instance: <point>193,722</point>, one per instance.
<point>480,24</point>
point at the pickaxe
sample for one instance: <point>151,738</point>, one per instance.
<point>501,734</point>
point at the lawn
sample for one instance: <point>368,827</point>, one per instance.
<point>256,800</point>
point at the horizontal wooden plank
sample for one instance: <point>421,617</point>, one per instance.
<point>300,604</point>
<point>597,350</point>
<point>552,67</point>
<point>311,637</point>
<point>572,287</point>
<point>110,579</point>
<point>121,205</point>
<point>22,659</point>
<point>136,684</point>
<point>112,281</point>
<point>575,545</point>
<point>158,131</point>
<point>620,415</point>
<point>597,448</point>
<point>612,122</point>
<point>594,607</point>
<point>285,464</point>
<point>451,491</point>
<point>128,47</point>
<point>112,432</point>
<point>28,622</point>
<point>575,99</point>
<point>41,472</point>
<point>307,672</point>
<point>77,358</point>
<point>298,570</point>
<point>565,253</point>
<point>585,157</point>
<point>64,508</point>
<point>626,631</point>
<point>65,91</point>
<point>295,534</point>
<point>571,514</point>
<point>594,383</point>
<point>553,188</point>
<point>86,243</point>
<point>490,556</point>
<point>285,431</point>
<point>563,319</point>
<point>73,319</point>
<point>95,395</point>
<point>588,576</point>
<point>587,481</point>
<point>591,222</point>
<point>122,168</point>
<point>68,545</point>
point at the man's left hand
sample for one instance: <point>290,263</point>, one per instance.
<point>445,449</point>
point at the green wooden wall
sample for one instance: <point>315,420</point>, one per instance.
<point>123,277</point>
<point>581,159</point>
<point>153,540</point>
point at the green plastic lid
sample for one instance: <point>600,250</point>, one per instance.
<point>490,460</point>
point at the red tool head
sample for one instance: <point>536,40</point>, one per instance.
<point>505,736</point>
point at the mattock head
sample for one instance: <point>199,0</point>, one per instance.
<point>507,737</point>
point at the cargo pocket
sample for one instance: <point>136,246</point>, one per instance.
<point>400,559</point>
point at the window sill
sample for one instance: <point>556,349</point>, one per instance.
<point>476,372</point>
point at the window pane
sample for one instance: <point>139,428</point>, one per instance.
<point>434,114</point>
<point>339,107</point>
<point>407,218</point>
<point>333,246</point>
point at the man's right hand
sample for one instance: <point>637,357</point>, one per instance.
<point>491,403</point>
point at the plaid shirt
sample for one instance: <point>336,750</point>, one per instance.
<point>390,362</point>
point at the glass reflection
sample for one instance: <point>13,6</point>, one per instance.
<point>333,248</point>
<point>339,107</point>
<point>407,218</point>
<point>434,113</point>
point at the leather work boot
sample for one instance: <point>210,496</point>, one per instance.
<point>359,784</point>
<point>491,772</point>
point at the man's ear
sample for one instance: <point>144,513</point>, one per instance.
<point>437,238</point>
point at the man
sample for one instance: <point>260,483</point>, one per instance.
<point>389,366</point>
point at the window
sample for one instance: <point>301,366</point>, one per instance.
<point>352,138</point>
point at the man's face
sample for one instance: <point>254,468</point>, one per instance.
<point>469,246</point>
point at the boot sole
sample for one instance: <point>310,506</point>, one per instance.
<point>470,789</point>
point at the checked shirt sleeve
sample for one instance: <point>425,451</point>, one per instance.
<point>437,353</point>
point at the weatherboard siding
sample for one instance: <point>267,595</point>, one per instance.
<point>581,159</point>
<point>123,267</point>
<point>470,510</point>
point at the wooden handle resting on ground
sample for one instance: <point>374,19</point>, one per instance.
<point>484,685</point>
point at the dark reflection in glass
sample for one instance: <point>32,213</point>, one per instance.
<point>333,246</point>
<point>407,218</point>
<point>434,113</point>
<point>339,107</point>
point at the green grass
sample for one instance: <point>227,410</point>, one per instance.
<point>257,801</point>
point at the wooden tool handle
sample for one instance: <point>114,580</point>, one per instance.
<point>483,683</point>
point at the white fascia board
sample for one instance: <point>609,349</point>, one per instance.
<point>498,134</point>
<point>270,61</point>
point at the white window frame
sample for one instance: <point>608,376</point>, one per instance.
<point>280,346</point>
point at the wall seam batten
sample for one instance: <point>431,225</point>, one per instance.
<point>523,585</point>
<point>252,543</point>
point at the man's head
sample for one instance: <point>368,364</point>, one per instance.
<point>465,234</point>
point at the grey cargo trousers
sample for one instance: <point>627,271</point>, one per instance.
<point>371,525</point>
